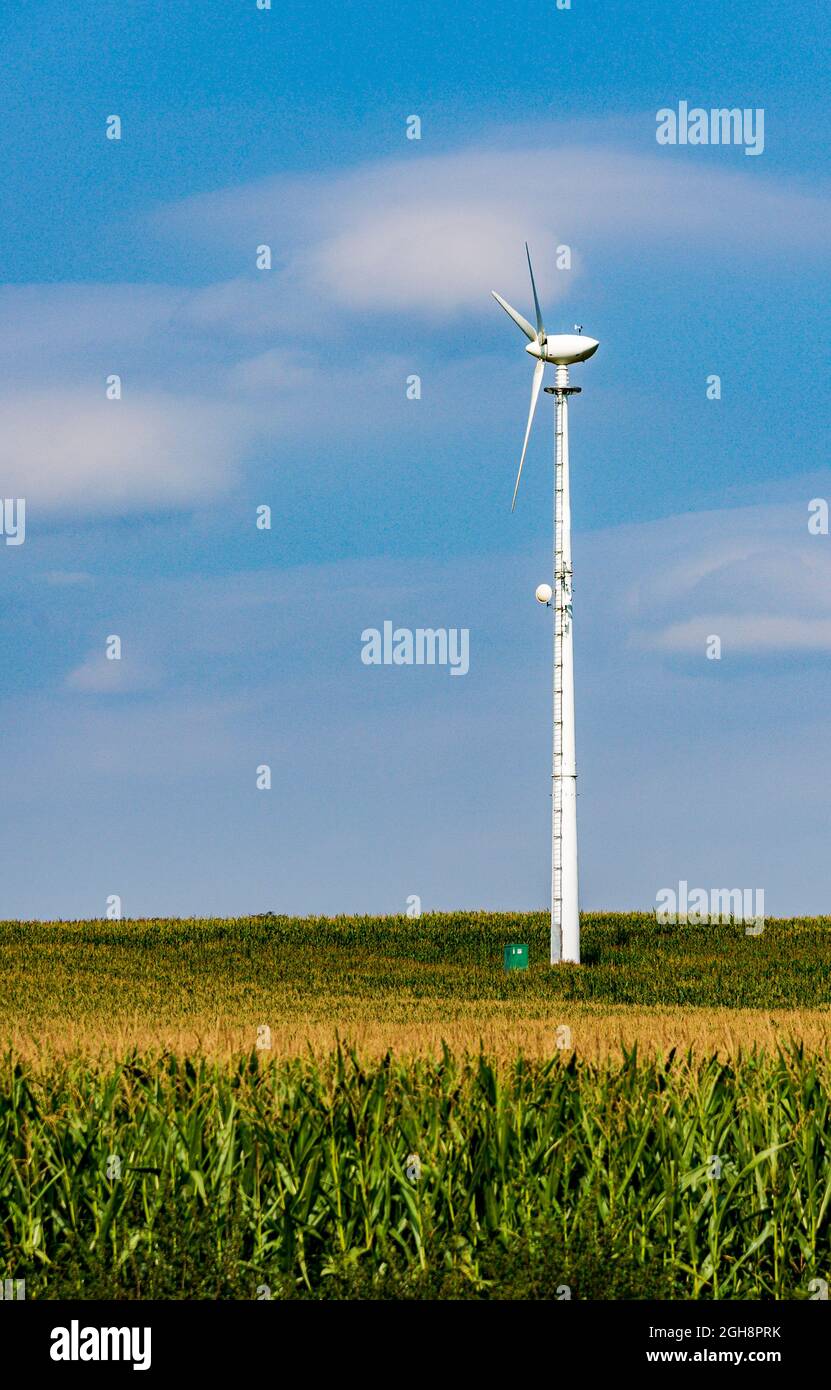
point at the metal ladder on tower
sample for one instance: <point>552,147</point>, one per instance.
<point>560,600</point>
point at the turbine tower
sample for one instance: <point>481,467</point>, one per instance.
<point>561,350</point>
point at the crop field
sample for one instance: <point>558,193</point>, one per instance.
<point>408,984</point>
<point>374,1108</point>
<point>543,1180</point>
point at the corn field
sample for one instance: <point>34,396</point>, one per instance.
<point>162,1177</point>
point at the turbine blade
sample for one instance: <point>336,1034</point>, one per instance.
<point>517,318</point>
<point>540,329</point>
<point>535,395</point>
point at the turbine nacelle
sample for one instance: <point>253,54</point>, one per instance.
<point>560,349</point>
<point>564,348</point>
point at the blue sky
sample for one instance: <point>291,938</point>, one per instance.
<point>286,387</point>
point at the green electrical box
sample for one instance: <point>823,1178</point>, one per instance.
<point>516,957</point>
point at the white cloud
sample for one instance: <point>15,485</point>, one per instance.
<point>274,370</point>
<point>62,579</point>
<point>38,319</point>
<point>752,576</point>
<point>747,634</point>
<point>71,448</point>
<point>98,675</point>
<point>432,234</point>
<point>425,235</point>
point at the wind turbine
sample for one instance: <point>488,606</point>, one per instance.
<point>561,350</point>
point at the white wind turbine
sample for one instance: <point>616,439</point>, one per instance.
<point>561,350</point>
